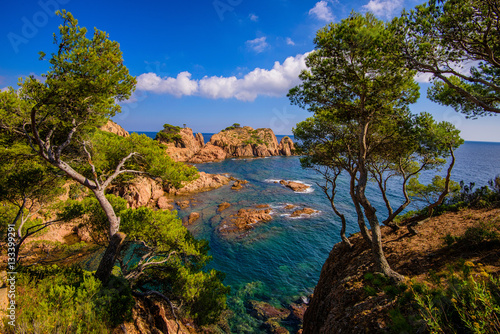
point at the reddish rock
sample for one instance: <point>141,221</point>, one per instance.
<point>264,311</point>
<point>295,186</point>
<point>193,216</point>
<point>246,142</point>
<point>183,204</point>
<point>165,203</point>
<point>262,206</point>
<point>141,191</point>
<point>286,146</point>
<point>208,153</point>
<point>186,147</point>
<point>244,220</point>
<point>304,211</point>
<point>238,184</point>
<point>204,182</point>
<point>112,127</point>
<point>297,312</point>
<point>223,206</point>
<point>290,207</point>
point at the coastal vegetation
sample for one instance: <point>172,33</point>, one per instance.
<point>170,133</point>
<point>58,170</point>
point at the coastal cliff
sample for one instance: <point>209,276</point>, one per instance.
<point>345,300</point>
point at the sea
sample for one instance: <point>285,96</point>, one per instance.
<point>279,262</point>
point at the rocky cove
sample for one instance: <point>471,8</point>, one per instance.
<point>243,215</point>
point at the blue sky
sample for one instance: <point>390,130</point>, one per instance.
<point>206,63</point>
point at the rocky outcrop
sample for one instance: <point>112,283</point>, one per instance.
<point>112,127</point>
<point>238,184</point>
<point>152,315</point>
<point>304,211</point>
<point>274,318</point>
<point>185,147</point>
<point>244,220</point>
<point>246,142</point>
<point>165,203</point>
<point>142,191</point>
<point>145,191</point>
<point>204,182</point>
<point>295,186</point>
<point>208,153</point>
<point>286,146</point>
<point>193,216</point>
<point>233,143</point>
<point>223,206</point>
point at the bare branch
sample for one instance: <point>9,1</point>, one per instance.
<point>68,139</point>
<point>89,160</point>
<point>119,171</point>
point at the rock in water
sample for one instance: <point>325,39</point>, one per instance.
<point>295,186</point>
<point>286,146</point>
<point>304,211</point>
<point>223,206</point>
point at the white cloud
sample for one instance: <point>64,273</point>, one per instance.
<point>182,85</point>
<point>4,89</point>
<point>322,11</point>
<point>289,41</point>
<point>254,17</point>
<point>259,82</point>
<point>258,44</point>
<point>384,8</point>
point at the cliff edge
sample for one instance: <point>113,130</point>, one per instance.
<point>342,301</point>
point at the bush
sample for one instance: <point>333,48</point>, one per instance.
<point>468,300</point>
<point>170,133</point>
<point>55,299</point>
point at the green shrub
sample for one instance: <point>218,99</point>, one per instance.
<point>68,300</point>
<point>170,133</point>
<point>468,300</point>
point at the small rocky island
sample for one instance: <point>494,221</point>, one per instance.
<point>233,142</point>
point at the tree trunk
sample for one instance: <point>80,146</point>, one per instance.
<point>108,260</point>
<point>379,258</point>
<point>115,238</point>
<point>361,220</point>
<point>114,221</point>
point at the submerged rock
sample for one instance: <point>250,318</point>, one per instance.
<point>223,206</point>
<point>193,216</point>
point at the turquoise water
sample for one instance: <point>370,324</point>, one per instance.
<point>285,255</point>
